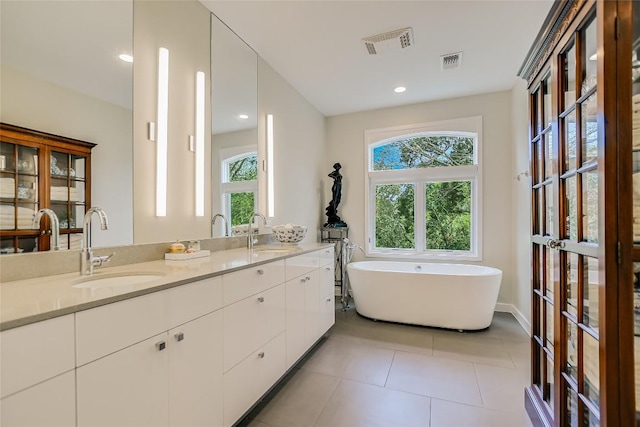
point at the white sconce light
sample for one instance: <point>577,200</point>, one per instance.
<point>270,185</point>
<point>200,143</point>
<point>162,129</point>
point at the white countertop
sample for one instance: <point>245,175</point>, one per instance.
<point>27,301</point>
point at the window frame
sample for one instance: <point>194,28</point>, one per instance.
<point>227,156</point>
<point>468,127</point>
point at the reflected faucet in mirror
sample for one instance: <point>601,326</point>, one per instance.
<point>87,260</point>
<point>227,233</point>
<point>251,240</point>
<point>55,226</point>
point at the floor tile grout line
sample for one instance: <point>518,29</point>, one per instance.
<point>324,406</point>
<point>475,374</point>
<point>389,371</point>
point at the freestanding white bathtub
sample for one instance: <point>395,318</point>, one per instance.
<point>454,296</point>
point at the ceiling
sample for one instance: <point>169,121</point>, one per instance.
<point>316,46</point>
<point>41,38</point>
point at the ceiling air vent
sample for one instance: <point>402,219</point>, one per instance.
<point>397,39</point>
<point>451,61</point>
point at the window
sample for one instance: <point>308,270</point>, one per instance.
<point>239,184</point>
<point>424,185</point>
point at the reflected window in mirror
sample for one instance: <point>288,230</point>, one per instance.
<point>239,185</point>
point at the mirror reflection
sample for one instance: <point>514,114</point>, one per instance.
<point>234,99</point>
<point>61,74</point>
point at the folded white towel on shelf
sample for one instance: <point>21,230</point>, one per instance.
<point>71,241</point>
<point>75,241</point>
<point>23,224</point>
<point>22,212</point>
<point>636,189</point>
<point>8,193</point>
<point>64,193</point>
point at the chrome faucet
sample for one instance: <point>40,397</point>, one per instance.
<point>250,237</point>
<point>226,223</point>
<point>55,226</point>
<point>87,260</point>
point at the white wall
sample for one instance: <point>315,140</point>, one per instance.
<point>40,105</point>
<point>521,194</point>
<point>345,138</point>
<point>183,28</point>
<point>299,141</point>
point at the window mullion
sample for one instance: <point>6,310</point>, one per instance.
<point>419,217</point>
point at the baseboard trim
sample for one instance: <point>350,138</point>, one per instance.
<point>510,308</point>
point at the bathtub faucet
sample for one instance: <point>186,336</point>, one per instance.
<point>347,254</point>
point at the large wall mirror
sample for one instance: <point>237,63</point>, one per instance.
<point>234,127</point>
<point>61,74</point>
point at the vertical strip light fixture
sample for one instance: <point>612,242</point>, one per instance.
<point>200,143</point>
<point>161,145</point>
<point>270,184</point>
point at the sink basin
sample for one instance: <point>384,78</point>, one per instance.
<point>115,280</point>
<point>271,250</point>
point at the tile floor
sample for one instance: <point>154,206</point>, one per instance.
<point>369,374</point>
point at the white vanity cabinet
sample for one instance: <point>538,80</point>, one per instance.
<point>199,354</point>
<point>327,291</point>
<point>171,378</point>
<point>38,379</point>
<point>254,335</point>
<point>309,294</point>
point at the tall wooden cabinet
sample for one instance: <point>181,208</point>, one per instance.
<point>40,170</point>
<point>584,129</point>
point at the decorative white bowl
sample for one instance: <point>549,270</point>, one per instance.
<point>240,230</point>
<point>289,234</point>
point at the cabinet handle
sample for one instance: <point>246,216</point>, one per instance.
<point>260,271</point>
<point>303,280</point>
<point>328,299</point>
<point>328,268</point>
<point>261,355</point>
<point>308,278</point>
<point>161,345</point>
<point>260,299</point>
<point>179,336</point>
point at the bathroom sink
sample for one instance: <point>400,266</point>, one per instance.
<point>113,280</point>
<point>271,250</point>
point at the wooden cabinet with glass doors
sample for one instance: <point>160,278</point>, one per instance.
<point>582,72</point>
<point>40,170</point>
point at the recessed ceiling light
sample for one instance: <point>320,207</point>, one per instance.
<point>125,57</point>
<point>243,116</point>
<point>400,89</point>
<point>593,57</point>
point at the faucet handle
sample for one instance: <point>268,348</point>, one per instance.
<point>99,260</point>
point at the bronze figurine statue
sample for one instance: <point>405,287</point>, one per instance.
<point>336,194</point>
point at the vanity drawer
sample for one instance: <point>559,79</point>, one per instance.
<point>250,379</point>
<point>327,256</point>
<point>33,353</point>
<point>188,302</point>
<point>107,329</point>
<point>244,283</point>
<point>250,323</point>
<point>302,264</point>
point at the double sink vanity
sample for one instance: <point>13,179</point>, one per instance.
<point>170,343</point>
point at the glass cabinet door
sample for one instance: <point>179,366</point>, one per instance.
<point>67,195</point>
<point>634,63</point>
<point>544,229</point>
<point>19,198</point>
<point>577,246</point>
